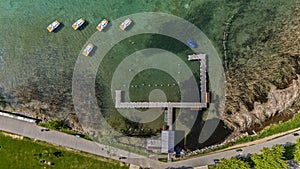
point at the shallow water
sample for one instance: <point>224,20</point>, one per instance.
<point>30,51</point>
<point>30,56</point>
<point>30,48</point>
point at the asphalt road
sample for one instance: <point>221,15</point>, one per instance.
<point>54,137</point>
<point>31,130</point>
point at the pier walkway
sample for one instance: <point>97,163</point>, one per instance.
<point>203,69</point>
<point>192,105</point>
<point>121,104</point>
<point>130,105</point>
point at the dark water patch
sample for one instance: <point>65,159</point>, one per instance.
<point>6,99</point>
<point>2,63</point>
<point>202,15</point>
<point>219,135</point>
<point>169,44</point>
<point>2,51</point>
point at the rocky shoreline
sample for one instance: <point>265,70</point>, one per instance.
<point>268,83</point>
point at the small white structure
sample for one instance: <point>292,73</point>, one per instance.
<point>167,141</point>
<point>153,145</point>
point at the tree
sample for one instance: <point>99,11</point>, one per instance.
<point>232,163</point>
<point>270,158</point>
<point>297,152</point>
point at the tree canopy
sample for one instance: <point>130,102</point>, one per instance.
<point>232,163</point>
<point>297,152</point>
<point>270,158</point>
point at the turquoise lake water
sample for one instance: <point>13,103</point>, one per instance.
<point>29,52</point>
<point>40,64</point>
<point>27,44</point>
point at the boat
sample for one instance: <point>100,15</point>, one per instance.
<point>191,43</point>
<point>125,24</point>
<point>102,25</point>
<point>207,97</point>
<point>53,26</point>
<point>88,49</point>
<point>78,23</point>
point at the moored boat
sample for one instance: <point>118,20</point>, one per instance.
<point>53,26</point>
<point>78,23</point>
<point>88,49</point>
<point>191,43</point>
<point>102,25</point>
<point>125,24</point>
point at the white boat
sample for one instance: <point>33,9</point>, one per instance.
<point>53,26</point>
<point>78,23</point>
<point>102,25</point>
<point>88,49</point>
<point>125,24</point>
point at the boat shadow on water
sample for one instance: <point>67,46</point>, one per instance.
<point>107,27</point>
<point>130,26</point>
<point>59,28</point>
<point>93,51</point>
<point>85,24</point>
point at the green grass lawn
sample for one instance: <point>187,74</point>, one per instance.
<point>26,153</point>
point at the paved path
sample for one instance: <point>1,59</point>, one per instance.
<point>58,138</point>
<point>262,139</point>
<point>208,159</point>
<point>31,130</point>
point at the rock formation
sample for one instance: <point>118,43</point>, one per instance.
<point>265,84</point>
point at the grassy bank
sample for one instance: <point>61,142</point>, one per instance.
<point>22,153</point>
<point>59,126</point>
<point>271,130</point>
